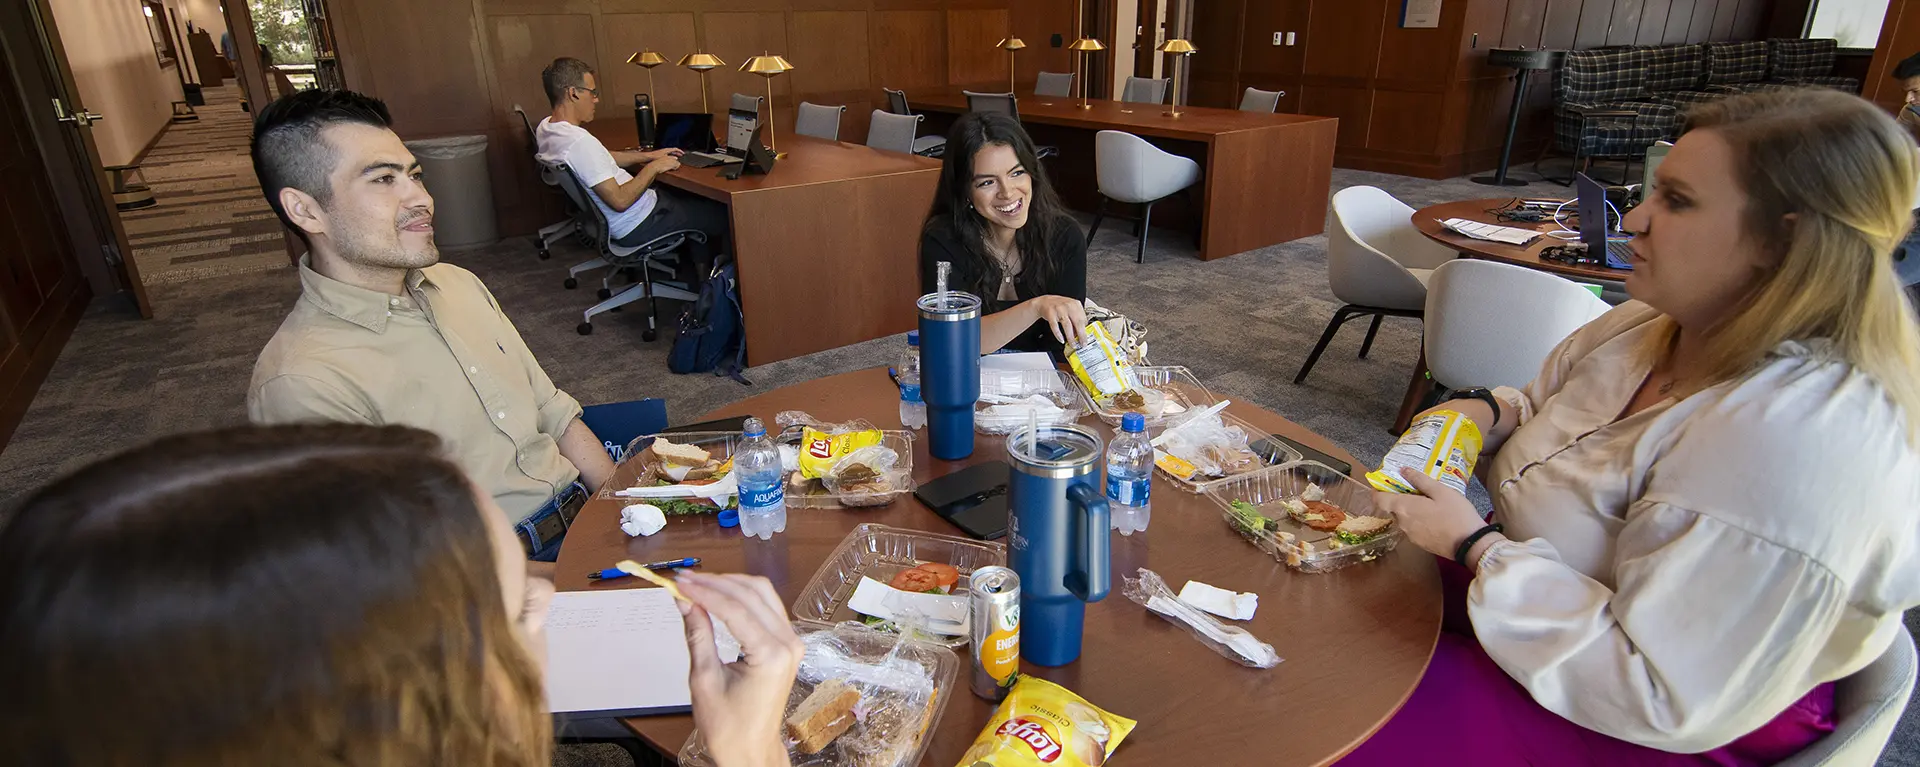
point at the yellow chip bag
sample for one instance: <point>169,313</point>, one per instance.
<point>1442,444</point>
<point>1100,365</point>
<point>1042,724</point>
<point>819,451</point>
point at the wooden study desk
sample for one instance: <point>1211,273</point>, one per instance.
<point>1264,178</point>
<point>827,245</point>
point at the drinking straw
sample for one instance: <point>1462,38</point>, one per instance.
<point>940,281</point>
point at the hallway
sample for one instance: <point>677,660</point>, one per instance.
<point>211,220</point>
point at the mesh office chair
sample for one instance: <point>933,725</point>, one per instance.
<point>819,121</point>
<point>1144,90</point>
<point>1053,84</point>
<point>1007,104</point>
<point>645,257</point>
<point>558,230</point>
<point>892,132</point>
<point>1256,100</point>
<point>925,146</point>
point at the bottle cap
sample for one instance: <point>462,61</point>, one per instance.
<point>753,428</point>
<point>913,338</point>
<point>729,518</point>
<point>1133,423</point>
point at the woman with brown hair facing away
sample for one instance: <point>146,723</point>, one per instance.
<point>312,595</point>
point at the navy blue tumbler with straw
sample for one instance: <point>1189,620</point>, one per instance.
<point>950,370</point>
<point>1058,536</point>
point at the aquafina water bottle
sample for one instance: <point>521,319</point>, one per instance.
<point>913,409</point>
<point>763,496</point>
<point>1130,475</point>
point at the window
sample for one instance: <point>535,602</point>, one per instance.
<point>1855,23</point>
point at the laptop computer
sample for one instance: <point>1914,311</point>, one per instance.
<point>740,127</point>
<point>1596,226</point>
<point>686,131</point>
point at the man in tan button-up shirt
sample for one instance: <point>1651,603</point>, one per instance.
<point>384,334</point>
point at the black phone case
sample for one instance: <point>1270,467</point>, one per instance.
<point>973,499</point>
<point>1314,455</point>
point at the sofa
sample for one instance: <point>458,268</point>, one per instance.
<point>1613,103</point>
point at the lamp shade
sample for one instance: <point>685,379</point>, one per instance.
<point>648,59</point>
<point>767,66</point>
<point>1086,45</point>
<point>1010,44</point>
<point>701,62</point>
<point>1177,46</point>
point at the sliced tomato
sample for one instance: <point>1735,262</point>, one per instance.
<point>915,580</point>
<point>949,575</point>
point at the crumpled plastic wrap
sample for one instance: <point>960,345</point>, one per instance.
<point>883,460</point>
<point>641,519</point>
<point>904,687</point>
<point>1212,446</point>
<point>1233,642</point>
<point>795,420</point>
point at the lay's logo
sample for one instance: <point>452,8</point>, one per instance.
<point>1034,734</point>
<point>821,448</point>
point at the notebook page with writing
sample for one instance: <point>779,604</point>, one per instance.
<point>616,653</point>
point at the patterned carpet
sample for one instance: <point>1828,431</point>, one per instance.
<point>211,220</point>
<point>1243,324</point>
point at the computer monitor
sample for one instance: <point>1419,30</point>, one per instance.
<point>740,127</point>
<point>1595,223</point>
<point>691,131</point>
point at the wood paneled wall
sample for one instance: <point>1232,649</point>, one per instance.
<point>1899,38</point>
<point>449,67</point>
<point>1421,101</point>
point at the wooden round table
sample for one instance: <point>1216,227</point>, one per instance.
<point>1355,641</point>
<point>1428,219</point>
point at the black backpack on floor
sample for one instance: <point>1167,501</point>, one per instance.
<point>712,332</point>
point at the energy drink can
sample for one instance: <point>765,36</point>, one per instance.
<point>995,602</point>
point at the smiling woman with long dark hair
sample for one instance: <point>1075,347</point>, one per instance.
<point>997,220</point>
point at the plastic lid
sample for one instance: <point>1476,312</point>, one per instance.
<point>1133,423</point>
<point>729,518</point>
<point>913,338</point>
<point>1059,446</point>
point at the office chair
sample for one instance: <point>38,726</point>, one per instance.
<point>553,232</point>
<point>1144,90</point>
<point>746,103</point>
<point>1004,103</point>
<point>645,257</point>
<point>1053,84</point>
<point>925,146</point>
<point>818,121</point>
<point>1256,100</point>
<point>1128,169</point>
<point>892,132</point>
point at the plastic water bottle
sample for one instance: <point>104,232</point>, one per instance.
<point>913,410</point>
<point>763,495</point>
<point>1130,475</point>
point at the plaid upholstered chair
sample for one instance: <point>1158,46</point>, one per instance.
<point>1677,75</point>
<point>1806,62</point>
<point>1738,67</point>
<point>1602,108</point>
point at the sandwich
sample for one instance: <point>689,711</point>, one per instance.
<point>679,463</point>
<point>823,716</point>
<point>1358,529</point>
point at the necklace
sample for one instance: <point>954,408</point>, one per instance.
<point>1006,259</point>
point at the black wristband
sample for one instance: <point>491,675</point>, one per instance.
<point>1460,554</point>
<point>1484,395</point>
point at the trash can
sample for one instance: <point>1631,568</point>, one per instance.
<point>457,177</point>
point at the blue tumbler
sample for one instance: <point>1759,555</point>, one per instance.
<point>950,370</point>
<point>1057,533</point>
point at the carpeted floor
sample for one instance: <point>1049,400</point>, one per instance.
<point>211,220</point>
<point>1243,324</point>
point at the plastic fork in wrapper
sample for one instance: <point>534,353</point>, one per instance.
<point>1237,644</point>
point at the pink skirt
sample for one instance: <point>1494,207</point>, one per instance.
<point>1468,711</point>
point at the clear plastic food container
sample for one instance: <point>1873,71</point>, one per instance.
<point>1301,547</point>
<point>881,552</point>
<point>904,685</point>
<point>1270,451</point>
<point>997,387</point>
<point>719,444</point>
<point>814,494</point>
<point>1167,392</point>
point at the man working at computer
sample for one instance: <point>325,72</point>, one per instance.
<point>636,210</point>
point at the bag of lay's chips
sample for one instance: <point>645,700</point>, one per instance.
<point>1042,724</point>
<point>819,450</point>
<point>1100,365</point>
<point>1442,444</point>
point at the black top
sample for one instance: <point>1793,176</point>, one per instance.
<point>939,243</point>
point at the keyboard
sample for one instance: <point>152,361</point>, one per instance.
<point>706,159</point>
<point>1618,253</point>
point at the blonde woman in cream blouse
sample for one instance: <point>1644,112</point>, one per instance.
<point>1711,495</point>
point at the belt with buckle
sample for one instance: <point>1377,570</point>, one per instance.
<point>548,523</point>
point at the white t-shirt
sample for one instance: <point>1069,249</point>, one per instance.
<point>564,142</point>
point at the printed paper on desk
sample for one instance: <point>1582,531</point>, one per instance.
<point>1491,232</point>
<point>945,614</point>
<point>621,652</point>
<point>1018,361</point>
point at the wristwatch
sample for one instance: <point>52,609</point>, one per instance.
<point>1484,395</point>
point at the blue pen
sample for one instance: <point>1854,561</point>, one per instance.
<point>671,564</point>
